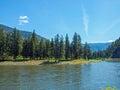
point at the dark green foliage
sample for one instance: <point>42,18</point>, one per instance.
<point>62,47</point>
<point>99,54</point>
<point>47,49</point>
<point>113,49</point>
<point>67,47</point>
<point>12,45</point>
<point>57,47</point>
<point>25,50</point>
<point>41,49</point>
<point>87,51</point>
<point>34,45</point>
<point>116,53</point>
<point>52,51</point>
<point>16,43</point>
<point>8,44</point>
<point>2,42</point>
<point>76,46</point>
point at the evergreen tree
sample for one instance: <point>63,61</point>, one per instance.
<point>62,47</point>
<point>67,47</point>
<point>16,43</point>
<point>47,49</point>
<point>2,42</point>
<point>34,45</point>
<point>76,46</point>
<point>87,51</point>
<point>52,48</point>
<point>57,46</point>
<point>8,44</point>
<point>25,50</point>
<point>113,47</point>
<point>41,48</point>
<point>116,53</point>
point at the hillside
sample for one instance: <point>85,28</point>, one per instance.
<point>25,34</point>
<point>99,46</point>
<point>114,49</point>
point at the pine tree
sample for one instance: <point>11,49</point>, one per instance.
<point>57,47</point>
<point>16,43</point>
<point>25,50</point>
<point>34,45</point>
<point>41,48</point>
<point>52,47</point>
<point>87,51</point>
<point>8,44</point>
<point>67,47</point>
<point>62,47</point>
<point>2,42</point>
<point>47,49</point>
<point>76,46</point>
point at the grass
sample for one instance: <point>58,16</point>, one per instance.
<point>53,61</point>
<point>95,60</point>
<point>109,88</point>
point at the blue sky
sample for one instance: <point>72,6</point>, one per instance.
<point>94,20</point>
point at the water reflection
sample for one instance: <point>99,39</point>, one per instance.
<point>60,77</point>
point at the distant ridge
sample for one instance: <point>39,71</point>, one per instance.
<point>99,46</point>
<point>25,34</point>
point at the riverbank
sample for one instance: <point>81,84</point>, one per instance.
<point>73,62</point>
<point>113,60</point>
<point>43,62</point>
<point>29,62</point>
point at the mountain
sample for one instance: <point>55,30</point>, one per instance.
<point>25,34</point>
<point>99,46</point>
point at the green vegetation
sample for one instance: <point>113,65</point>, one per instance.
<point>14,47</point>
<point>53,61</point>
<point>95,60</point>
<point>109,88</point>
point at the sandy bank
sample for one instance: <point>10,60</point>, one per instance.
<point>40,62</point>
<point>74,62</point>
<point>30,62</point>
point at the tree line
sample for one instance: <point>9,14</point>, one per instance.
<point>14,45</point>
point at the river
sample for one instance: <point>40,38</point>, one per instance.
<point>92,76</point>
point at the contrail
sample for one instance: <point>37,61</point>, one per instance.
<point>85,20</point>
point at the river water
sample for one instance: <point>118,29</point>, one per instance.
<point>92,76</point>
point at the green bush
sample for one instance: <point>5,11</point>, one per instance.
<point>109,88</point>
<point>4,57</point>
<point>19,58</point>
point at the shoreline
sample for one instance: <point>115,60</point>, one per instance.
<point>46,62</point>
<point>41,62</point>
<point>29,62</point>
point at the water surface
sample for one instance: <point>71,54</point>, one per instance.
<point>60,77</point>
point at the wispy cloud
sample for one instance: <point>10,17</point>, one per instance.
<point>85,20</point>
<point>114,23</point>
<point>23,20</point>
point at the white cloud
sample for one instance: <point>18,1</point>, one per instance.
<point>85,20</point>
<point>23,17</point>
<point>23,20</point>
<point>110,41</point>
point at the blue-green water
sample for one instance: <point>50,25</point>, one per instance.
<point>60,77</point>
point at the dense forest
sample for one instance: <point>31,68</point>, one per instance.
<point>13,46</point>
